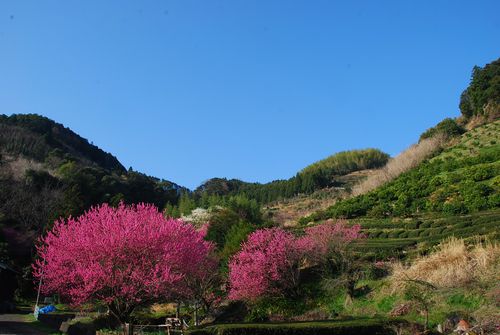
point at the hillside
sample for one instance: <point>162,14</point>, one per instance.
<point>416,191</point>
<point>47,171</point>
<point>286,212</point>
<point>326,173</point>
<point>43,140</point>
<point>453,193</point>
<point>431,220</point>
<point>462,179</point>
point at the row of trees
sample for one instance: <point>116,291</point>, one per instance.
<point>319,175</point>
<point>482,97</point>
<point>130,256</point>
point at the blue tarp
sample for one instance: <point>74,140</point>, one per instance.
<point>47,309</point>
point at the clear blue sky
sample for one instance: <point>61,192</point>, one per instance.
<point>256,90</point>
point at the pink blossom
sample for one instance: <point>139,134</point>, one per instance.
<point>266,264</point>
<point>203,229</point>
<point>321,240</point>
<point>269,262</point>
<point>121,256</point>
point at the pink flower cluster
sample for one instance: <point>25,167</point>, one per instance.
<point>265,265</point>
<point>322,240</point>
<point>129,254</point>
<point>269,261</point>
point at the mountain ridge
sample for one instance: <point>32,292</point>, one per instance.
<point>36,136</point>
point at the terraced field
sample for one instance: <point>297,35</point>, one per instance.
<point>400,237</point>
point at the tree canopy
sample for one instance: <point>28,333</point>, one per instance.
<point>123,257</point>
<point>482,97</point>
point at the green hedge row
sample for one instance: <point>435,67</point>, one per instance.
<point>365,327</point>
<point>384,243</point>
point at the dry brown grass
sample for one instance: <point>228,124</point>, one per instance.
<point>287,212</point>
<point>163,308</point>
<point>17,166</point>
<point>453,264</point>
<point>405,161</point>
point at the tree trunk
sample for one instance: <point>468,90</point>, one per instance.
<point>196,314</point>
<point>122,315</point>
<point>350,288</point>
<point>128,329</point>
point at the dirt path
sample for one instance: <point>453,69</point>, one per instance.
<point>17,324</point>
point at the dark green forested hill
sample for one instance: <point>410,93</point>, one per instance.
<point>47,171</point>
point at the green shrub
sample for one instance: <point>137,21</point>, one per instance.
<point>494,200</point>
<point>436,224</point>
<point>394,233</point>
<point>220,223</point>
<point>462,224</point>
<point>379,211</point>
<point>414,233</point>
<point>425,233</point>
<point>403,234</point>
<point>425,225</point>
<point>455,206</point>
<point>483,171</point>
<point>441,230</point>
<point>236,235</point>
<point>448,127</point>
<point>261,310</point>
<point>412,225</point>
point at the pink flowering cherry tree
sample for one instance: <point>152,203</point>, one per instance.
<point>124,257</point>
<point>328,245</point>
<point>269,262</point>
<point>328,240</point>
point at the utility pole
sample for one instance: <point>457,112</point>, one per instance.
<point>35,313</point>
